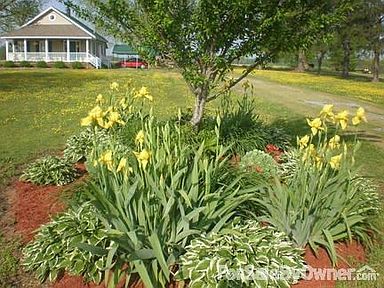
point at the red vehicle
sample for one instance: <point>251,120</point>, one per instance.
<point>133,63</point>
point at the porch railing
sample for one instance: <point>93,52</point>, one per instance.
<point>49,57</point>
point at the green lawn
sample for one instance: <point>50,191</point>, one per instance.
<point>358,87</point>
<point>39,109</point>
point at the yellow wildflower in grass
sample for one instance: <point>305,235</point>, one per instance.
<point>327,112</point>
<point>95,115</point>
<point>303,141</point>
<point>336,161</point>
<point>334,142</point>
<point>114,86</point>
<point>140,137</point>
<point>143,157</point>
<point>360,117</point>
<point>122,165</point>
<point>99,99</point>
<point>106,159</point>
<point>342,119</point>
<point>143,93</point>
<point>316,125</point>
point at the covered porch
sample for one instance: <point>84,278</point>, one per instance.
<point>53,50</point>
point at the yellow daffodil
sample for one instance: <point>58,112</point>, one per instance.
<point>143,157</point>
<point>334,142</point>
<point>316,125</point>
<point>360,116</point>
<point>106,159</point>
<point>342,119</point>
<point>95,115</point>
<point>336,161</point>
<point>99,99</point>
<point>122,165</point>
<point>140,137</point>
<point>303,141</point>
<point>327,112</point>
<point>114,86</point>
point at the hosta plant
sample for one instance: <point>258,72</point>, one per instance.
<point>245,255</point>
<point>80,145</point>
<point>324,200</point>
<point>57,247</point>
<point>50,170</point>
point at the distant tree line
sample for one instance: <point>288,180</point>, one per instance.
<point>359,36</point>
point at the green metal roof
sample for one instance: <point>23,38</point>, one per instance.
<point>123,49</point>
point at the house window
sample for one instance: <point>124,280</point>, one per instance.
<point>52,17</point>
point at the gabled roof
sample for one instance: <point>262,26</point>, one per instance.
<point>78,29</point>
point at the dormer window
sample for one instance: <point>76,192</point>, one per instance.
<point>52,17</point>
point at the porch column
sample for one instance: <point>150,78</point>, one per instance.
<point>6,50</point>
<point>68,51</point>
<point>25,50</point>
<point>46,50</point>
<point>13,48</point>
<point>86,50</point>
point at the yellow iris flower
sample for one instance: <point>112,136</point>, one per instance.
<point>316,125</point>
<point>122,165</point>
<point>99,99</point>
<point>140,137</point>
<point>143,93</point>
<point>342,119</point>
<point>334,142</point>
<point>95,115</point>
<point>123,103</point>
<point>336,161</point>
<point>143,157</point>
<point>113,118</point>
<point>327,111</point>
<point>360,117</point>
<point>303,141</point>
<point>106,159</point>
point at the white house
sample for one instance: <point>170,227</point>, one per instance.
<point>55,36</point>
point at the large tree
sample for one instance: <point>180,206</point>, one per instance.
<point>204,37</point>
<point>14,13</point>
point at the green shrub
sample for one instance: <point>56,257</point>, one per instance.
<point>77,65</point>
<point>59,65</point>
<point>9,64</point>
<point>50,170</point>
<point>41,64</point>
<point>80,145</point>
<point>57,246</point>
<point>224,259</point>
<point>25,64</point>
<point>259,162</point>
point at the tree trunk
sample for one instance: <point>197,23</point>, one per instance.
<point>302,63</point>
<point>320,58</point>
<point>376,66</point>
<point>198,112</point>
<point>347,57</point>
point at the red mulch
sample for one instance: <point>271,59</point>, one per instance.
<point>347,252</point>
<point>33,206</point>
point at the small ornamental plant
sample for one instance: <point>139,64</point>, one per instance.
<point>245,255</point>
<point>50,170</point>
